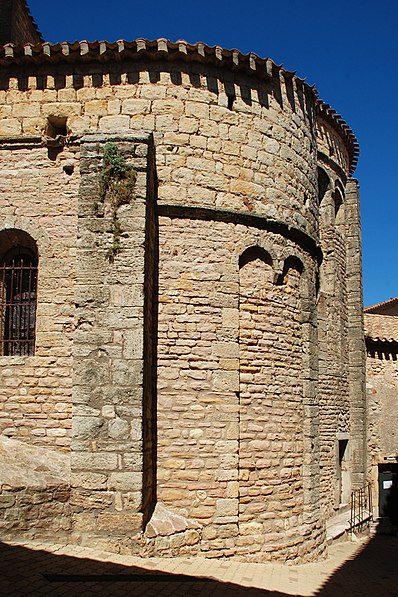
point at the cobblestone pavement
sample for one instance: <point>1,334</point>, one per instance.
<point>362,568</point>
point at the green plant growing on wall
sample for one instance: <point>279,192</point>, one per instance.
<point>117,184</point>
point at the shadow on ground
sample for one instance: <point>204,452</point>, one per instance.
<point>373,572</point>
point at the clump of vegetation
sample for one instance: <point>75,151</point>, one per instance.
<point>117,184</point>
<point>118,177</point>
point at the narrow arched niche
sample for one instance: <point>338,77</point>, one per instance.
<point>270,398</point>
<point>338,207</point>
<point>323,184</point>
<point>253,253</point>
<point>291,263</point>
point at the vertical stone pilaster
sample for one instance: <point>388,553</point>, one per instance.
<point>109,493</point>
<point>356,343</point>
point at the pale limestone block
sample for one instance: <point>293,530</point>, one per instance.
<point>199,110</point>
<point>201,194</point>
<point>119,521</point>
<point>170,106</point>
<point>200,164</point>
<point>169,192</point>
<point>133,345</point>
<point>226,349</point>
<point>114,123</point>
<point>213,181</point>
<point>231,148</point>
<point>213,145</point>
<point>105,461</point>
<point>208,128</point>
<point>153,91</point>
<point>227,507</point>
<point>272,146</point>
<point>86,427</point>
<point>228,448</point>
<point>63,109</point>
<point>77,125</point>
<point>96,107</point>
<point>66,95</point>
<point>238,133</point>
<point>166,123</point>
<point>118,428</point>
<point>136,106</point>
<point>108,411</point>
<point>86,93</point>
<point>182,175</point>
<point>222,114</point>
<point>113,107</point>
<point>230,318</point>
<point>10,126</point>
<point>226,475</point>
<point>129,481</point>
<point>26,110</point>
<point>88,480</point>
<point>5,111</point>
<point>188,125</point>
<point>33,126</point>
<point>231,170</point>
<point>175,138</point>
<point>244,187</point>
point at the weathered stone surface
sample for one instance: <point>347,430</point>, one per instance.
<point>206,319</point>
<point>165,522</point>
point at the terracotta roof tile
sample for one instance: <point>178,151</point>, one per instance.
<point>373,308</point>
<point>383,328</point>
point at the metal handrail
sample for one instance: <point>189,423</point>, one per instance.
<point>361,507</point>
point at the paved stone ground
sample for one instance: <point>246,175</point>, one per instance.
<point>364,568</point>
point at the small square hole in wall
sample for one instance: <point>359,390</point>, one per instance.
<point>56,127</point>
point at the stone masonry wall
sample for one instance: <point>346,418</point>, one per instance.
<point>109,491</point>
<point>16,25</point>
<point>333,353</point>
<point>227,163</point>
<point>40,198</point>
<point>381,384</point>
<point>231,434</point>
<point>254,158</point>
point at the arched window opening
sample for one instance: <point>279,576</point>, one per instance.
<point>18,298</point>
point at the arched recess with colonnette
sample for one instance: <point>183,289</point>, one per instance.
<point>278,466</point>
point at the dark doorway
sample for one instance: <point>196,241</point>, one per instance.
<point>388,492</point>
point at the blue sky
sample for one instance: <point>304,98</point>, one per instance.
<point>348,49</point>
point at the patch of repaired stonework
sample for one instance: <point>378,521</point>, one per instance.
<point>165,522</point>
<point>23,465</point>
<point>34,491</point>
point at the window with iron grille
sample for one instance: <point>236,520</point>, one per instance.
<point>18,297</point>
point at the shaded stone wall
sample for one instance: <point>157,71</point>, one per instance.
<point>382,376</point>
<point>340,326</point>
<point>356,341</point>
<point>382,417</point>
<point>16,24</point>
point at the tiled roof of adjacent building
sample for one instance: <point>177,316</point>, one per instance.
<point>164,49</point>
<point>382,328</point>
<point>378,306</point>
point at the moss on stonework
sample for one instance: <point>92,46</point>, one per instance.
<point>117,184</point>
